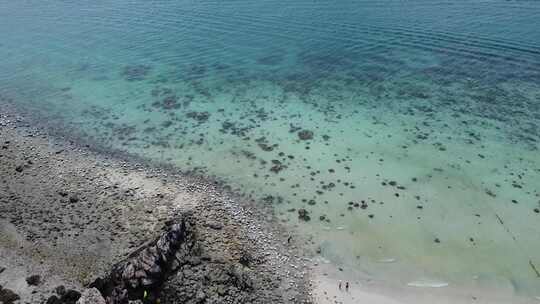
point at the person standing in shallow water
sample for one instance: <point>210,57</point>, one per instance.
<point>339,285</point>
<point>346,286</point>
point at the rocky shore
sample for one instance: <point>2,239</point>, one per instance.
<point>72,218</point>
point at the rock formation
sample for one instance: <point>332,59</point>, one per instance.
<point>142,274</point>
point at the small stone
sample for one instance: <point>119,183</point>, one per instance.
<point>214,225</point>
<point>33,280</point>
<point>147,281</point>
<point>129,272</point>
<point>200,296</point>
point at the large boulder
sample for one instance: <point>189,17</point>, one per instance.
<point>141,275</point>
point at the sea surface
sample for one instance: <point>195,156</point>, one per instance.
<point>408,130</point>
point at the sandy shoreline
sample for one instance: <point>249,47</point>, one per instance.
<point>366,290</point>
<point>67,214</point>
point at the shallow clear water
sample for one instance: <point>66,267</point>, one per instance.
<point>408,129</point>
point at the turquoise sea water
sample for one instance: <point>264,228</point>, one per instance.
<point>409,130</point>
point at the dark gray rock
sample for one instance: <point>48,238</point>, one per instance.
<point>33,280</point>
<point>70,297</point>
<point>60,290</point>
<point>53,300</point>
<point>7,296</point>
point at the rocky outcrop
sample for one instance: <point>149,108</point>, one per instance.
<point>142,274</point>
<point>211,282</point>
<point>176,268</point>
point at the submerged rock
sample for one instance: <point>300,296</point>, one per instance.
<point>135,72</point>
<point>303,214</point>
<point>199,116</point>
<point>168,103</point>
<point>305,135</point>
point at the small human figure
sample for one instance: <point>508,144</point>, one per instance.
<point>339,285</point>
<point>347,286</point>
<point>289,239</point>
